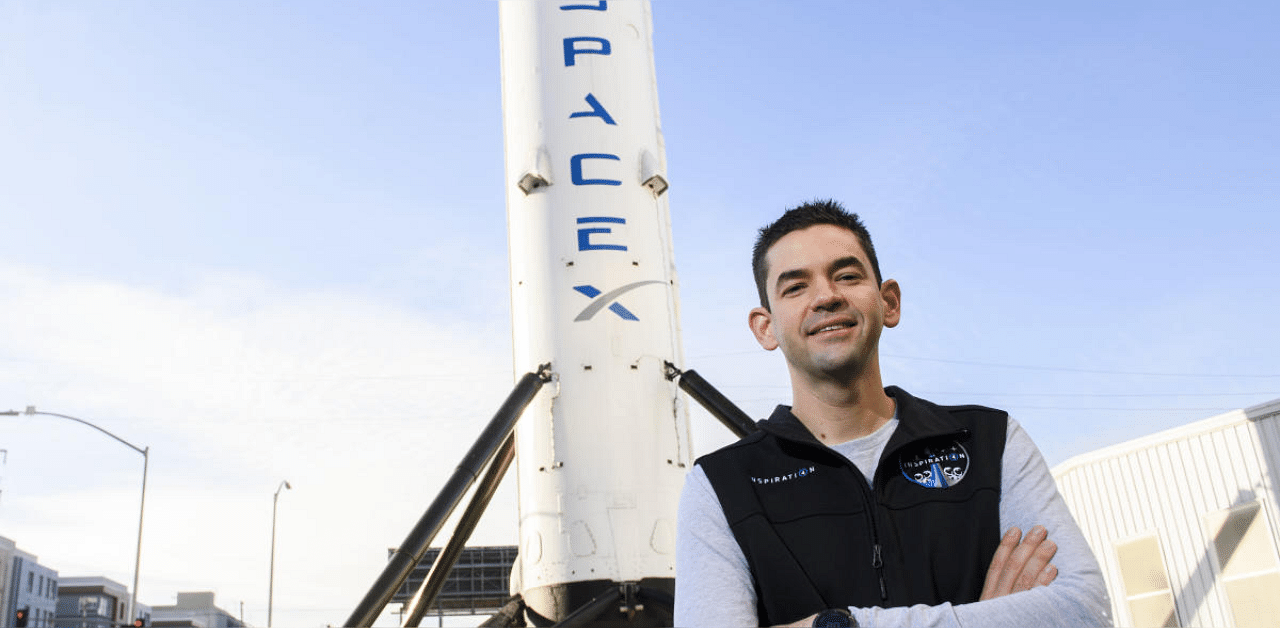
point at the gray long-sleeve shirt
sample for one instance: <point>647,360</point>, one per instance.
<point>713,582</point>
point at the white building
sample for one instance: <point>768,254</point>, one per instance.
<point>194,609</point>
<point>26,586</point>
<point>1184,522</point>
<point>92,602</point>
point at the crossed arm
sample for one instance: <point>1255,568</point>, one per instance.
<point>1019,564</point>
<point>713,584</point>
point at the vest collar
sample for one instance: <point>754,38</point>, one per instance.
<point>917,419</point>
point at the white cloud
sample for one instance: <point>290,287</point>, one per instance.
<point>235,385</point>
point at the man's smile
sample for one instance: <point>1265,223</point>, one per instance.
<point>830,326</point>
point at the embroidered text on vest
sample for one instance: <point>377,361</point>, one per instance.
<point>798,473</point>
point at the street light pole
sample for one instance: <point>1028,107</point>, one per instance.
<point>142,505</point>
<point>137,557</point>
<point>271,588</point>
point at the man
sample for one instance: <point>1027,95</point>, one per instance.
<point>863,505</point>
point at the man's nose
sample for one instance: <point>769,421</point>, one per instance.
<point>827,298</point>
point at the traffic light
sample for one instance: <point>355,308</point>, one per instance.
<point>20,619</point>
<point>138,623</point>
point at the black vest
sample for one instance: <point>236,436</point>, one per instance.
<point>816,536</point>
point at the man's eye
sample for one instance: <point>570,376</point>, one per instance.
<point>849,277</point>
<point>792,289</point>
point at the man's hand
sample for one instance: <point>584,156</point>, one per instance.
<point>1019,566</point>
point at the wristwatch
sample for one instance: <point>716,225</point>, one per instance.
<point>834,618</point>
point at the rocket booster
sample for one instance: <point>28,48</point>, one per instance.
<point>602,453</point>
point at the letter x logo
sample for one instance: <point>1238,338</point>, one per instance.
<point>608,299</point>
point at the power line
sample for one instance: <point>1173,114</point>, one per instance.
<point>1215,410</point>
<point>1029,367</point>
<point>1072,408</point>
<point>1081,394</point>
<point>1039,394</point>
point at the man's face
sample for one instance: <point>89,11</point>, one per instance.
<point>825,310</point>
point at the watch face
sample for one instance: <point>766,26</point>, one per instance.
<point>833,618</point>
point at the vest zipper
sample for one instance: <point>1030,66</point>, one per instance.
<point>877,561</point>
<point>879,565</point>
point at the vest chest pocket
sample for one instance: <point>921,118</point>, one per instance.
<point>900,493</point>
<point>816,495</point>
<point>943,469</point>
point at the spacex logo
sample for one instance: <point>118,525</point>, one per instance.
<point>609,300</point>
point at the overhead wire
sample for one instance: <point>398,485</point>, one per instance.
<point>1030,367</point>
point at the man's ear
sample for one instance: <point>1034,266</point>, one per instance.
<point>891,296</point>
<point>761,322</point>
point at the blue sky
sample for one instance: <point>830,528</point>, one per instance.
<point>268,241</point>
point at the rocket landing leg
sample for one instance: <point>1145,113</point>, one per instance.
<point>495,436</point>
<point>647,603</point>
<point>644,604</point>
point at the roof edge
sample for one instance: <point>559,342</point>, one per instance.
<point>1262,411</point>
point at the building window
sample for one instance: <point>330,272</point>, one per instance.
<point>1248,567</point>
<point>1146,582</point>
<point>95,606</point>
<point>31,581</point>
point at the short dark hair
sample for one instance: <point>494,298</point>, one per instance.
<point>812,213</point>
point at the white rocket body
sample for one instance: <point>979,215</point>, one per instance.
<point>602,452</point>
